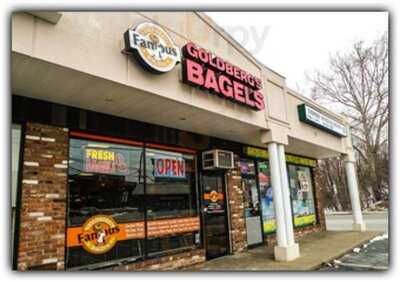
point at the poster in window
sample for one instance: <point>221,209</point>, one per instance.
<point>267,201</point>
<point>100,233</point>
<point>250,194</point>
<point>302,195</point>
<point>247,168</point>
<point>106,161</point>
<point>303,181</point>
<point>213,202</point>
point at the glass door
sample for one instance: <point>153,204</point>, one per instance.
<point>214,214</point>
<point>251,203</point>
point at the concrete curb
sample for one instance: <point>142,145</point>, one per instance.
<point>363,266</point>
<point>349,213</point>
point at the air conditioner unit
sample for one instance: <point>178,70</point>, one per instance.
<point>217,159</point>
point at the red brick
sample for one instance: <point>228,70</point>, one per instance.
<point>33,249</point>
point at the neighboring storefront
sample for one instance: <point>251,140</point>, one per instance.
<point>138,178</point>
<point>257,187</point>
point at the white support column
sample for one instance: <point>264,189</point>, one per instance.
<point>358,222</point>
<point>292,250</point>
<point>286,196</point>
<point>277,195</point>
<point>287,249</point>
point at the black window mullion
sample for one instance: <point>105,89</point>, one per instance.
<point>145,201</point>
<point>290,194</point>
<point>259,199</point>
<point>18,195</point>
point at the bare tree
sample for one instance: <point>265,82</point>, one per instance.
<point>333,179</point>
<point>356,85</point>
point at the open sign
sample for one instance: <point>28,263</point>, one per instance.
<point>169,168</point>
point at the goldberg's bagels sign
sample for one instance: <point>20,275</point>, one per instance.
<point>156,52</point>
<point>209,72</point>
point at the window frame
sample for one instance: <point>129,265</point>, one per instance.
<point>317,214</point>
<point>257,161</point>
<point>75,134</point>
<point>317,222</point>
<point>168,148</point>
<point>18,196</point>
<point>83,136</point>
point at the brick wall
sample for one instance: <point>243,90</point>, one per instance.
<point>298,232</point>
<point>43,198</point>
<point>170,262</point>
<point>236,209</point>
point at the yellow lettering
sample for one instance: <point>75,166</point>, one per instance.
<point>101,155</point>
<point>88,152</point>
<point>94,154</point>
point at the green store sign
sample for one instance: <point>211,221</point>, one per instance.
<point>317,119</point>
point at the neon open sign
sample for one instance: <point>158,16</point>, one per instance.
<point>169,168</point>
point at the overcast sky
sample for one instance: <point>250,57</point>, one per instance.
<point>293,43</point>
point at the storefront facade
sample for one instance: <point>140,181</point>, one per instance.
<point>148,145</point>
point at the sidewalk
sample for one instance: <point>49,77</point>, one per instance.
<point>315,249</point>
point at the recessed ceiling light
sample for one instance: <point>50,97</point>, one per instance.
<point>108,99</point>
<point>182,118</point>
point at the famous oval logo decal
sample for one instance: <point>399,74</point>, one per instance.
<point>99,234</point>
<point>152,47</point>
<point>214,196</point>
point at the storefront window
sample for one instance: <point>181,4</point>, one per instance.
<point>172,220</point>
<point>105,206</point>
<point>301,190</point>
<point>267,203</point>
<point>15,147</point>
<point>114,195</point>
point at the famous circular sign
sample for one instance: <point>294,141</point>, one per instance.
<point>152,47</point>
<point>99,234</point>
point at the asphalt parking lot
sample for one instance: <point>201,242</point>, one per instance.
<point>372,256</point>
